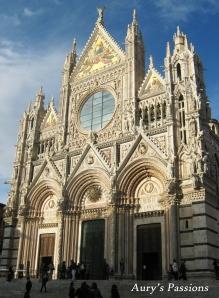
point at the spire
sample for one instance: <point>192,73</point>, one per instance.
<point>74,46</point>
<point>134,20</point>
<point>151,64</point>
<point>40,91</point>
<point>178,33</point>
<point>52,102</point>
<point>100,19</point>
<point>40,97</point>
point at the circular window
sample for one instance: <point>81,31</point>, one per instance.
<point>97,111</point>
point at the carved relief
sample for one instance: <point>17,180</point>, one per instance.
<point>149,192</point>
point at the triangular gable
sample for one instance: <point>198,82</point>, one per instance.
<point>143,146</point>
<point>153,84</point>
<point>48,170</point>
<point>101,51</point>
<point>50,118</point>
<point>90,159</point>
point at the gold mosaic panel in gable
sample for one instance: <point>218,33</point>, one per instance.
<point>100,55</point>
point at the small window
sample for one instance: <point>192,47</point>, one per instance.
<point>187,224</point>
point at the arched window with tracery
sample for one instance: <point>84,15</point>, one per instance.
<point>152,115</point>
<point>146,116</point>
<point>158,111</point>
<point>164,109</point>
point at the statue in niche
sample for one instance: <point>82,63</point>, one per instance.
<point>205,163</point>
<point>199,164</point>
<point>171,166</point>
<point>93,136</point>
<point>193,128</point>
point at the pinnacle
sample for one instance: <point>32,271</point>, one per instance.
<point>168,54</point>
<point>151,64</point>
<point>74,45</point>
<point>134,19</point>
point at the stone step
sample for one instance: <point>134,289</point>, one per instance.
<point>59,288</point>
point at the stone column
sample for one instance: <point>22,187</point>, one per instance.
<point>20,246</point>
<point>60,237</point>
<point>112,237</point>
<point>172,216</point>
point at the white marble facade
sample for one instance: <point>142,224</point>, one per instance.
<point>145,154</point>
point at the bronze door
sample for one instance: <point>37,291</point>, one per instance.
<point>46,249</point>
<point>92,247</point>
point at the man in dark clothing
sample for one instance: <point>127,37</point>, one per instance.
<point>44,281</point>
<point>182,271</point>
<point>63,270</point>
<point>10,274</point>
<point>28,284</point>
<point>28,288</point>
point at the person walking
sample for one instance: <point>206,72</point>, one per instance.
<point>114,292</point>
<point>28,288</point>
<point>44,282</point>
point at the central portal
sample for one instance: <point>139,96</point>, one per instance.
<point>149,255</point>
<point>92,247</point>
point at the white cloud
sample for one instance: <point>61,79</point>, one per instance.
<point>30,13</point>
<point>21,75</point>
<point>173,10</point>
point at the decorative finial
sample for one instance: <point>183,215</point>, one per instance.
<point>100,11</point>
<point>40,92</point>
<point>151,64</point>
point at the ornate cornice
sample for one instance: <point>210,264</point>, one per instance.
<point>150,213</point>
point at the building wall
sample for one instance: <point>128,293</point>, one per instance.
<point>155,161</point>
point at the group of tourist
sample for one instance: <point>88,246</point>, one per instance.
<point>81,271</point>
<point>73,271</point>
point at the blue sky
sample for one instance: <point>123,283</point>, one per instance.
<point>36,35</point>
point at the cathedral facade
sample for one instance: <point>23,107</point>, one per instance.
<point>126,170</point>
